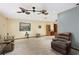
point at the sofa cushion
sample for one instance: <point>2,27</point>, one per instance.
<point>59,39</point>
<point>60,44</point>
<point>66,36</point>
<point>62,37</point>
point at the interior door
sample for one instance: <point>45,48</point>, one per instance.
<point>48,29</point>
<point>55,28</point>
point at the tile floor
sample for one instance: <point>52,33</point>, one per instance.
<point>36,46</point>
<point>33,46</point>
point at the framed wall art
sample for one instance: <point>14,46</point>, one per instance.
<point>24,26</point>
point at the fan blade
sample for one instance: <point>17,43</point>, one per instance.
<point>77,4</point>
<point>19,12</point>
<point>22,9</point>
<point>27,13</point>
<point>45,13</point>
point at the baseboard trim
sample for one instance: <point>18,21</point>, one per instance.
<point>75,48</point>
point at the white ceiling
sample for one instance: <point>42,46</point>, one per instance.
<point>10,9</point>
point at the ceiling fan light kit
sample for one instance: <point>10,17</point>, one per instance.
<point>28,11</point>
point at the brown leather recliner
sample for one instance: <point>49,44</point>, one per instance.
<point>62,42</point>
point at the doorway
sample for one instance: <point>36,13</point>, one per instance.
<point>49,32</point>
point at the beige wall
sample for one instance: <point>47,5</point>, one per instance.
<point>3,25</point>
<point>13,27</point>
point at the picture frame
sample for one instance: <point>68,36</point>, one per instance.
<point>24,26</point>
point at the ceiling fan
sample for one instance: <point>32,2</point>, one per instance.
<point>28,11</point>
<point>77,4</point>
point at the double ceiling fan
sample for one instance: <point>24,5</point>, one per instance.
<point>28,11</point>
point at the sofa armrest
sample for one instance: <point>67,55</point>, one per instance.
<point>62,40</point>
<point>58,39</point>
<point>6,42</point>
<point>68,42</point>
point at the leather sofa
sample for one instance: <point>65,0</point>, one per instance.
<point>62,43</point>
